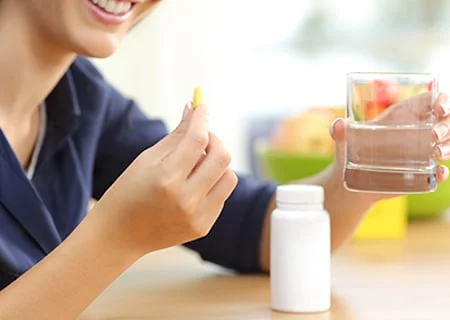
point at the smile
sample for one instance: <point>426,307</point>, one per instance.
<point>113,6</point>
<point>110,11</point>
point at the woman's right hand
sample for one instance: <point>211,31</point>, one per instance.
<point>172,193</point>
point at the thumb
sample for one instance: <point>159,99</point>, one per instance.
<point>183,124</point>
<point>338,132</point>
<point>169,142</point>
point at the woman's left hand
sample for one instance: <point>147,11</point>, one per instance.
<point>441,134</point>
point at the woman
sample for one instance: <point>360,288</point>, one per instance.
<point>67,135</point>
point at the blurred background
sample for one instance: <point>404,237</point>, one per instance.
<point>262,59</point>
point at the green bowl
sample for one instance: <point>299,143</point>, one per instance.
<point>284,168</point>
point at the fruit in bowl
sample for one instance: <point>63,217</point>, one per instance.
<point>306,133</point>
<point>301,146</point>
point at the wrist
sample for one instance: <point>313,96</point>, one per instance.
<point>333,184</point>
<point>111,240</point>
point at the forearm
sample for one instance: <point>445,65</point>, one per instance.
<point>64,283</point>
<point>346,211</point>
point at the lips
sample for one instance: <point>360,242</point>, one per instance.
<point>113,6</point>
<point>111,12</point>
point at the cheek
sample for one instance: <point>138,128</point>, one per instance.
<point>52,17</point>
<point>44,12</point>
<point>44,6</point>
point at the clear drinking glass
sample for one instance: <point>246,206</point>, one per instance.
<point>389,141</point>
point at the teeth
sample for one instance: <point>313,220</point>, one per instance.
<point>126,6</point>
<point>118,8</point>
<point>113,6</point>
<point>122,7</point>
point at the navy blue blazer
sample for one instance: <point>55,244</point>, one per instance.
<point>93,134</point>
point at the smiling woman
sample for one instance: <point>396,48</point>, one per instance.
<point>67,135</point>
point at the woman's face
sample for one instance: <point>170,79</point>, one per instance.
<point>87,27</point>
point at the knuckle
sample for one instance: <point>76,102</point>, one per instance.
<point>230,178</point>
<point>163,173</point>
<point>223,158</point>
<point>177,133</point>
<point>199,140</point>
<point>165,186</point>
<point>187,207</point>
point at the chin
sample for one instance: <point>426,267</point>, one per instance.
<point>96,32</point>
<point>92,28</point>
<point>99,47</point>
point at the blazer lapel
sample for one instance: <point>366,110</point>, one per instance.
<point>23,202</point>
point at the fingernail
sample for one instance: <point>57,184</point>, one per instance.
<point>441,131</point>
<point>187,111</point>
<point>444,106</point>
<point>332,126</point>
<point>444,172</point>
<point>444,151</point>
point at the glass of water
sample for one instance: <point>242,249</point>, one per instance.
<point>389,141</point>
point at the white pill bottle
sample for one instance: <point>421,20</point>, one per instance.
<point>300,251</point>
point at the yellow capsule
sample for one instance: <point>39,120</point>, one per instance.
<point>198,98</point>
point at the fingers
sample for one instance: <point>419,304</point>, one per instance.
<point>211,168</point>
<point>441,105</point>
<point>223,188</point>
<point>442,151</point>
<point>168,143</point>
<point>442,173</point>
<point>211,206</point>
<point>200,161</point>
<point>423,106</point>
<point>407,111</point>
<point>191,144</point>
<point>220,192</point>
<point>441,132</point>
<point>180,130</point>
<point>338,132</point>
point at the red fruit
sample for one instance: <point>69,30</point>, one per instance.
<point>371,110</point>
<point>384,93</point>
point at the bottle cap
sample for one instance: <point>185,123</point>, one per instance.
<point>300,194</point>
